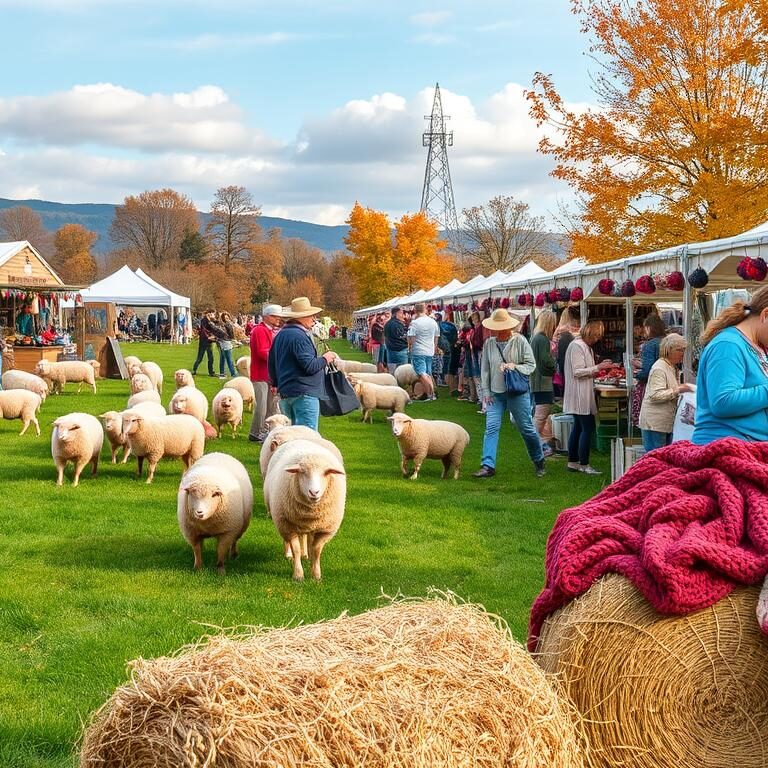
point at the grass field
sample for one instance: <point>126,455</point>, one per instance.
<point>97,575</point>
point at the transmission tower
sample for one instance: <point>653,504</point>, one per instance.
<point>437,195</point>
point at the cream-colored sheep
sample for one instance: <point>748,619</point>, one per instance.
<point>215,500</point>
<point>245,387</point>
<point>96,365</point>
<point>228,409</point>
<point>277,420</point>
<point>113,426</point>
<point>15,379</point>
<point>130,360</point>
<point>76,437</point>
<point>184,378</point>
<point>421,439</point>
<point>353,366</point>
<point>150,370</point>
<point>56,375</point>
<point>152,438</point>
<point>406,376</point>
<point>283,434</point>
<point>140,382</point>
<point>20,404</point>
<point>243,365</point>
<point>189,400</point>
<point>375,397</point>
<point>384,379</point>
<point>147,396</point>
<point>305,492</point>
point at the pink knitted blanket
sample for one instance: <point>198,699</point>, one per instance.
<point>686,525</point>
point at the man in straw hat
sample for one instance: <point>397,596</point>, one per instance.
<point>294,366</point>
<point>262,338</point>
<point>506,350</point>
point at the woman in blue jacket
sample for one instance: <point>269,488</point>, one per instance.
<point>732,381</point>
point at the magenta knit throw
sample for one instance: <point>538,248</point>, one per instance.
<point>686,525</point>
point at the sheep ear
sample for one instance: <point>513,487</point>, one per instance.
<point>102,415</point>
<point>294,469</point>
<point>390,418</point>
<point>334,471</point>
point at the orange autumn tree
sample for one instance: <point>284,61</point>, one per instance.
<point>419,254</point>
<point>676,149</point>
<point>73,259</point>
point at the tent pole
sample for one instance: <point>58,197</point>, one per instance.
<point>171,325</point>
<point>688,375</point>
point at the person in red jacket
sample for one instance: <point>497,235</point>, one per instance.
<point>262,337</point>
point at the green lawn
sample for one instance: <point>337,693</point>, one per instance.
<point>96,575</point>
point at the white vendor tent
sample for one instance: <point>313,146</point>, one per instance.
<point>176,300</point>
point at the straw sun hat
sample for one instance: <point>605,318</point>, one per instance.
<point>501,320</point>
<point>301,307</point>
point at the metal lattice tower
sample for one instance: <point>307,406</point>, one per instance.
<point>437,195</point>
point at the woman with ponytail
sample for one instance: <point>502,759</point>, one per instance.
<point>732,381</point>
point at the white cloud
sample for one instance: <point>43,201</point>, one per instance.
<point>434,38</point>
<point>430,18</point>
<point>211,41</point>
<point>498,26</point>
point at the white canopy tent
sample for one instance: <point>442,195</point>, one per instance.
<point>176,299</point>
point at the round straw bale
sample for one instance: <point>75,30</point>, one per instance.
<point>416,683</point>
<point>659,691</point>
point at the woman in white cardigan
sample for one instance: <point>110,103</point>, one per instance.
<point>657,414</point>
<point>579,398</point>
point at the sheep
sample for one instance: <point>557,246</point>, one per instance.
<point>228,409</point>
<point>305,492</point>
<point>140,382</point>
<point>243,365</point>
<point>245,387</point>
<point>183,378</point>
<point>280,435</point>
<point>353,366</point>
<point>16,379</point>
<point>130,360</point>
<point>96,365</point>
<point>385,379</point>
<point>189,400</point>
<point>421,439</point>
<point>277,420</point>
<point>152,371</point>
<point>56,375</point>
<point>76,437</point>
<point>374,396</point>
<point>113,427</point>
<point>406,376</point>
<point>151,438</point>
<point>215,500</point>
<point>20,404</point>
<point>148,396</point>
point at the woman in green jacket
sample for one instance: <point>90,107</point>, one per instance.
<point>541,378</point>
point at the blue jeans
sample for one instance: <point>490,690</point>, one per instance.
<point>653,440</point>
<point>580,441</point>
<point>225,356</point>
<point>204,350</point>
<point>396,358</point>
<point>422,364</point>
<point>519,407</point>
<point>303,410</point>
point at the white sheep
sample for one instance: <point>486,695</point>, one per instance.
<point>353,366</point>
<point>243,365</point>
<point>283,434</point>
<point>20,404</point>
<point>130,360</point>
<point>215,500</point>
<point>152,371</point>
<point>228,409</point>
<point>384,379</point>
<point>56,375</point>
<point>140,382</point>
<point>421,439</point>
<point>184,378</point>
<point>15,379</point>
<point>147,396</point>
<point>245,387</point>
<point>152,438</point>
<point>113,426</point>
<point>76,437</point>
<point>96,365</point>
<point>305,492</point>
<point>277,420</point>
<point>189,400</point>
<point>375,397</point>
<point>406,376</point>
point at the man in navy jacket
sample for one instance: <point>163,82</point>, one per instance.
<point>295,368</point>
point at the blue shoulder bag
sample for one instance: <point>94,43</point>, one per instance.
<point>516,383</point>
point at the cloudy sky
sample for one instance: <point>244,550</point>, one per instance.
<point>309,105</point>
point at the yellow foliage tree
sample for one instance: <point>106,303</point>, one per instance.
<point>419,254</point>
<point>73,259</point>
<point>677,148</point>
<point>308,286</point>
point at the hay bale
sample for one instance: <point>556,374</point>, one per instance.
<point>427,683</point>
<point>658,691</point>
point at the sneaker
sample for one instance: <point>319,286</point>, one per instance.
<point>222,377</point>
<point>548,452</point>
<point>194,373</point>
<point>253,439</point>
<point>540,471</point>
<point>430,399</point>
<point>590,470</point>
<point>484,472</point>
<point>573,467</point>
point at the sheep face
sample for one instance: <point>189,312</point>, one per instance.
<point>179,404</point>
<point>132,423</point>
<point>133,369</point>
<point>140,383</point>
<point>312,480</point>
<point>66,429</point>
<point>400,423</point>
<point>43,367</point>
<point>278,420</point>
<point>203,501</point>
<point>113,422</point>
<point>225,403</point>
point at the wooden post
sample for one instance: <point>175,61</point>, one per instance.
<point>80,331</point>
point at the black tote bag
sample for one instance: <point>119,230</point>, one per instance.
<point>340,398</point>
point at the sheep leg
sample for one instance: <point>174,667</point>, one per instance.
<point>404,465</point>
<point>319,540</point>
<point>60,469</point>
<point>223,546</point>
<point>447,461</point>
<point>197,548</point>
<point>233,553</point>
<point>126,453</point>
<point>305,537</point>
<point>456,464</point>
<point>114,455</point>
<point>79,467</point>
<point>79,387</point>
<point>234,429</point>
<point>27,422</point>
<point>298,570</point>
<point>95,462</point>
<point>152,462</point>
<point>417,460</point>
<point>218,430</point>
<point>140,461</point>
<point>37,425</point>
<point>288,550</point>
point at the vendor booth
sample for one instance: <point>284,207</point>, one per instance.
<point>31,296</point>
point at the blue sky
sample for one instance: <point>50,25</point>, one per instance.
<point>309,105</point>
